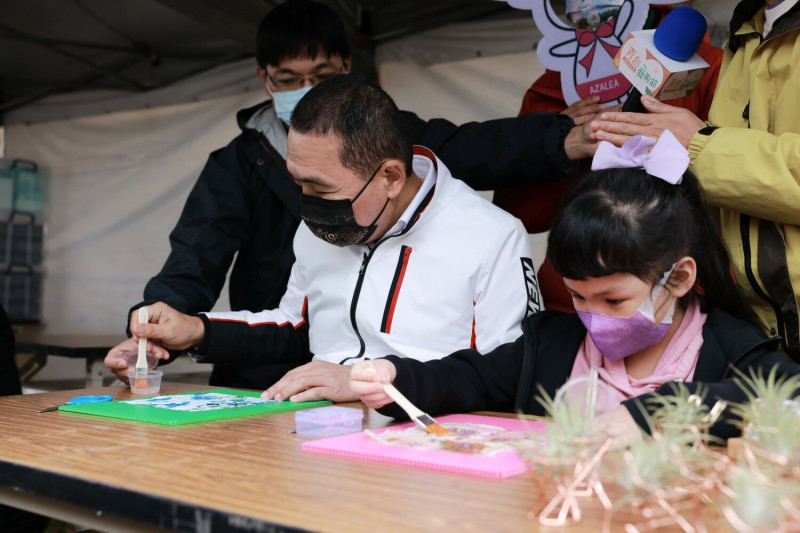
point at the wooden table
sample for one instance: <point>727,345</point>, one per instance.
<point>92,348</point>
<point>246,474</point>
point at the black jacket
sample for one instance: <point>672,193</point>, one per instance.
<point>506,379</point>
<point>245,205</point>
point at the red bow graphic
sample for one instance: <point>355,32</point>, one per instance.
<point>590,37</point>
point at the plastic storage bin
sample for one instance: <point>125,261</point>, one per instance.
<point>21,294</point>
<point>22,208</point>
<point>22,188</point>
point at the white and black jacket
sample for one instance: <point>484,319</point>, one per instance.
<point>460,275</point>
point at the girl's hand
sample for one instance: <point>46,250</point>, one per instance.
<point>618,423</point>
<point>367,380</point>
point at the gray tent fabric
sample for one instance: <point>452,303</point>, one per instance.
<point>138,46</point>
<point>236,77</point>
<point>81,57</point>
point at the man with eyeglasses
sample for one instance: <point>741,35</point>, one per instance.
<point>288,82</point>
<point>244,208</point>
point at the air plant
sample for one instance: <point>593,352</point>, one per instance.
<point>566,457</point>
<point>567,437</point>
<point>652,462</point>
<point>771,417</point>
<point>568,421</point>
<point>763,490</point>
<point>683,410</point>
<point>569,432</point>
<point>757,502</point>
<point>668,474</point>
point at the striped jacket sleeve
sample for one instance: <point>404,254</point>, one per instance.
<point>271,336</point>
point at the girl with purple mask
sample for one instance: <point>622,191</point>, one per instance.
<point>656,302</point>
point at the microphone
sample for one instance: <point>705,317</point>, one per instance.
<point>663,63</point>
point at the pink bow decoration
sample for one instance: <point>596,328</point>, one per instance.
<point>668,159</point>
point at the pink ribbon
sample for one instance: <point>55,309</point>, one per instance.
<point>668,159</point>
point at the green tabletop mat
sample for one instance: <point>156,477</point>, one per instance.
<point>172,417</point>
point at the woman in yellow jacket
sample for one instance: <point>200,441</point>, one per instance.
<point>747,157</point>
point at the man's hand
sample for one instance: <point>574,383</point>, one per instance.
<point>583,110</point>
<point>317,380</point>
<point>367,380</point>
<point>579,142</point>
<point>172,329</point>
<point>117,362</point>
<point>617,128</point>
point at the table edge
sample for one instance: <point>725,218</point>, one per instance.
<point>149,509</point>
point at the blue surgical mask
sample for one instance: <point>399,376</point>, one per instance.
<point>286,101</point>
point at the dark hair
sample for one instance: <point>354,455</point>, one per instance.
<point>362,115</point>
<point>300,29</point>
<point>625,220</point>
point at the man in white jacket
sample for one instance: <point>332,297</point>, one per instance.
<point>394,257</point>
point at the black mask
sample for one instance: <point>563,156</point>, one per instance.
<point>334,222</point>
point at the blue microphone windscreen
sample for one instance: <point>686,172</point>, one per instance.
<point>680,33</point>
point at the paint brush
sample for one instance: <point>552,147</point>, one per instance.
<point>424,420</point>
<point>141,360</point>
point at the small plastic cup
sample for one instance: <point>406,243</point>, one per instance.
<point>133,355</point>
<point>145,386</point>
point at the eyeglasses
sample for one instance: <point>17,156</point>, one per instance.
<point>288,82</point>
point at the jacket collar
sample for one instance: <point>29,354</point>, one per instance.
<point>436,192</point>
<point>747,9</point>
<point>266,158</point>
<point>243,116</point>
<point>261,119</point>
<point>726,340</point>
